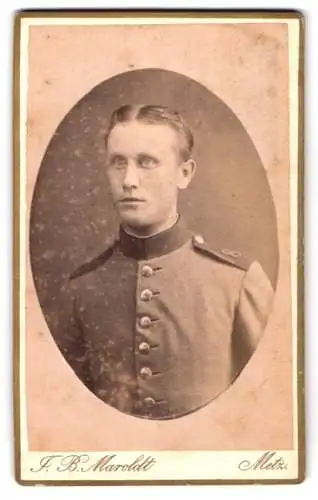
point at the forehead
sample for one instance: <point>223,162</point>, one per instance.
<point>135,137</point>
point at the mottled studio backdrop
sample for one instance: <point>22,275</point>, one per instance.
<point>229,201</point>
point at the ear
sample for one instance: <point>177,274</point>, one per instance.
<point>186,172</point>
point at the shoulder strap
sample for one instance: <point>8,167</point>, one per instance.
<point>227,256</point>
<point>94,263</point>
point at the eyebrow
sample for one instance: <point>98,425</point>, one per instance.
<point>147,155</point>
<point>117,156</point>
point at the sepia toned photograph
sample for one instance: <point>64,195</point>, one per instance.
<point>158,186</point>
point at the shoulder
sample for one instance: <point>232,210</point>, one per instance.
<point>253,276</point>
<point>257,286</point>
<point>93,264</point>
<point>231,257</point>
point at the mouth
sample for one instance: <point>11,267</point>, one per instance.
<point>131,199</point>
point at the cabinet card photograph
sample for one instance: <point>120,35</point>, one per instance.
<point>158,275</point>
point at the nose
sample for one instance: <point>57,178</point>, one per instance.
<point>131,178</point>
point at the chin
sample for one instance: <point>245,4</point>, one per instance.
<point>139,227</point>
<point>133,221</point>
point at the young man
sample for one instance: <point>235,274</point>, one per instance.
<point>160,324</point>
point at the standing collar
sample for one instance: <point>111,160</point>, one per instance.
<point>154,246</point>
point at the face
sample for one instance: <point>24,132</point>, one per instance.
<point>145,172</point>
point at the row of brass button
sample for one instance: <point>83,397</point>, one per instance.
<point>145,322</point>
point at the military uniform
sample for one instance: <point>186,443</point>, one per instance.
<point>158,327</point>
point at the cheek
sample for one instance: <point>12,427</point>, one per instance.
<point>160,189</point>
<point>163,180</point>
<point>167,185</point>
<point>113,181</point>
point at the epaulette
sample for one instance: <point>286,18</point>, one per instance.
<point>231,257</point>
<point>93,264</point>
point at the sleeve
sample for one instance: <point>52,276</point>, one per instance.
<point>251,315</point>
<point>70,338</point>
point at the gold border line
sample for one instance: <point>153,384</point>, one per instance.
<point>16,243</point>
<point>248,14</point>
<point>300,266</point>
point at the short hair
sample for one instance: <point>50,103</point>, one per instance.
<point>153,115</point>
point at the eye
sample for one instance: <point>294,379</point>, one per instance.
<point>118,161</point>
<point>145,161</point>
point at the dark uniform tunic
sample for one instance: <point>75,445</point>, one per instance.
<point>158,327</point>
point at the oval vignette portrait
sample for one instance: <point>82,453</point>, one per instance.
<point>153,243</point>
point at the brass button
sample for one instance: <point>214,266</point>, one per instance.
<point>146,295</point>
<point>149,401</point>
<point>145,321</point>
<point>144,347</point>
<point>145,372</point>
<point>147,271</point>
<point>198,239</point>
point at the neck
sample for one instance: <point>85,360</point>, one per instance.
<point>147,232</point>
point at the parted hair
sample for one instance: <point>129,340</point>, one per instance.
<point>154,115</point>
